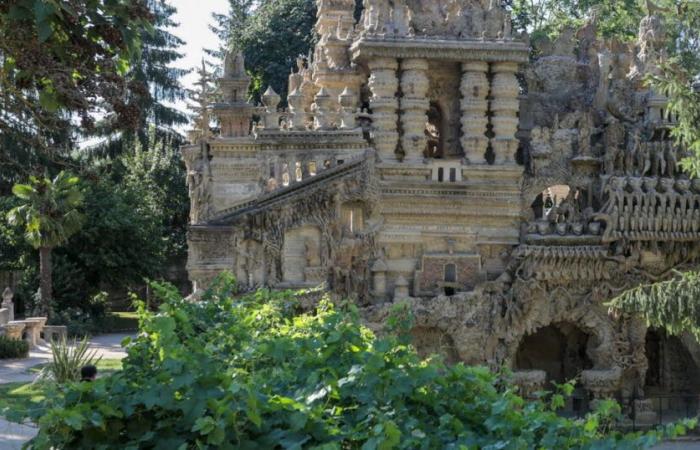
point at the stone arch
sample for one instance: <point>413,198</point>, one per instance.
<point>671,368</point>
<point>301,253</point>
<point>561,305</point>
<point>561,349</point>
<point>549,198</point>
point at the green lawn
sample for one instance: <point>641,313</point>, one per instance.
<point>20,398</point>
<point>121,321</point>
<point>104,367</point>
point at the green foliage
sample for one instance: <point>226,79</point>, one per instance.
<point>49,209</point>
<point>18,400</point>
<point>152,67</point>
<point>67,358</point>
<point>13,348</point>
<point>673,304</point>
<point>249,373</point>
<point>59,58</point>
<point>674,81</point>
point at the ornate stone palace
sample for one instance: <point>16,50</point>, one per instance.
<point>425,157</point>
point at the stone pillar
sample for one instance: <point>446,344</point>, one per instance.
<point>348,105</point>
<point>383,83</point>
<point>7,303</point>
<point>323,110</point>
<point>296,108</point>
<point>505,105</point>
<point>474,105</point>
<point>414,107</point>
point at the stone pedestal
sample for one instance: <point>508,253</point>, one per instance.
<point>384,84</point>
<point>474,106</point>
<point>505,106</point>
<point>14,329</point>
<point>530,382</point>
<point>34,325</point>
<point>414,107</point>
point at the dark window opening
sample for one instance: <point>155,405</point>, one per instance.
<point>441,174</point>
<point>450,273</point>
<point>453,175</point>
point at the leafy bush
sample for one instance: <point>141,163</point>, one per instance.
<point>13,348</point>
<point>251,373</point>
<point>68,357</point>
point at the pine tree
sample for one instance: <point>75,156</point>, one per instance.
<point>153,69</point>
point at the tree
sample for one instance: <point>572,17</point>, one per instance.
<point>50,216</point>
<point>61,60</point>
<point>271,36</point>
<point>152,68</point>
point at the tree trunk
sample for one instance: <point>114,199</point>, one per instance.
<point>46,285</point>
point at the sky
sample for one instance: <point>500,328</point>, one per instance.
<point>194,17</point>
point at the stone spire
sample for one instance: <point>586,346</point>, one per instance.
<point>234,112</point>
<point>201,98</point>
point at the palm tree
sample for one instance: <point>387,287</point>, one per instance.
<point>49,213</point>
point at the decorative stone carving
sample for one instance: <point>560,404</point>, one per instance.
<point>499,249</point>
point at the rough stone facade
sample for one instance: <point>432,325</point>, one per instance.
<point>424,158</point>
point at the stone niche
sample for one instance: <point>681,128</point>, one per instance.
<point>301,256</point>
<point>447,274</point>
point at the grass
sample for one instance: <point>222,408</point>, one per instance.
<point>120,321</point>
<point>21,398</point>
<point>17,399</point>
<point>104,367</point>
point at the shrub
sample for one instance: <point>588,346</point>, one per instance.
<point>68,357</point>
<point>13,348</point>
<point>250,374</point>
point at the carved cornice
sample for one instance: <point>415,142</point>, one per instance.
<point>440,48</point>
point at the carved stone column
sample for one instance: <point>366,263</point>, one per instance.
<point>414,107</point>
<point>384,84</point>
<point>475,91</point>
<point>505,105</point>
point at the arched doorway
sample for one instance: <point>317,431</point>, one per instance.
<point>561,350</point>
<point>673,378</point>
<point>548,199</point>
